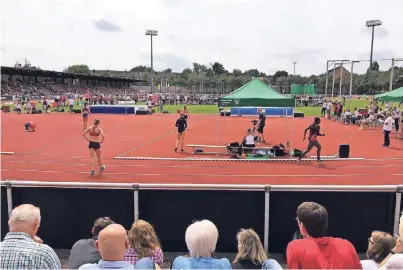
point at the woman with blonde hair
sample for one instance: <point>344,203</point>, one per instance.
<point>251,254</point>
<point>395,258</point>
<point>143,243</point>
<point>379,246</point>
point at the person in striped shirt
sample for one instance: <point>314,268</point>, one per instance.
<point>21,248</point>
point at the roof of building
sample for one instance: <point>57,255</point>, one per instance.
<point>34,72</point>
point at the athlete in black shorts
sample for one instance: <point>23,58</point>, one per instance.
<point>314,132</point>
<point>181,124</point>
<point>262,124</point>
<point>95,138</point>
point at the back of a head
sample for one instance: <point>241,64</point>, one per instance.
<point>201,238</point>
<point>112,243</point>
<point>143,239</point>
<point>250,247</point>
<point>381,245</point>
<point>24,216</point>
<point>314,217</point>
<point>100,224</point>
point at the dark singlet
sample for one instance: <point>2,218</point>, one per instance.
<point>314,131</point>
<point>181,124</point>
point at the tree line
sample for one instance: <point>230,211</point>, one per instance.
<point>215,76</point>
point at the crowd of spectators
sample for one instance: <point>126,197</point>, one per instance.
<point>111,246</point>
<point>373,115</point>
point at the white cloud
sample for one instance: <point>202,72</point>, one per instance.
<point>264,34</point>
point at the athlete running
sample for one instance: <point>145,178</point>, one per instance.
<point>314,132</point>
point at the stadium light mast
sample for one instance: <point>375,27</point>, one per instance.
<point>373,24</point>
<point>294,66</point>
<point>152,33</point>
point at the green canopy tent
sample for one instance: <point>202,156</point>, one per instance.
<point>393,96</point>
<point>256,94</point>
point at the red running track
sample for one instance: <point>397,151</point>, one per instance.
<point>57,152</point>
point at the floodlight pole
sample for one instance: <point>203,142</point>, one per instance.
<point>373,24</point>
<point>152,33</point>
<point>294,66</point>
<point>327,76</point>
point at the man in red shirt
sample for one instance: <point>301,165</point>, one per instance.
<point>316,251</point>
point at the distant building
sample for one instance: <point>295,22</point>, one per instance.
<point>337,72</point>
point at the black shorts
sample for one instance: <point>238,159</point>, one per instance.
<point>180,131</point>
<point>260,129</point>
<point>94,145</point>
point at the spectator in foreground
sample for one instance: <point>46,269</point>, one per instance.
<point>84,250</point>
<point>380,245</point>
<point>112,244</point>
<point>21,248</point>
<point>143,243</point>
<point>395,258</point>
<point>201,240</point>
<point>316,251</point>
<point>251,254</point>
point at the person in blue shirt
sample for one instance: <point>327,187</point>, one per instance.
<point>201,239</point>
<point>113,243</point>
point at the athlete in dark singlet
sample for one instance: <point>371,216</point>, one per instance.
<point>86,112</point>
<point>181,124</point>
<point>95,132</point>
<point>314,132</point>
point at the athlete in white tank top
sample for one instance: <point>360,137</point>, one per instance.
<point>250,139</point>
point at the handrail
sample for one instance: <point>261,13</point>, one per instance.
<point>295,188</point>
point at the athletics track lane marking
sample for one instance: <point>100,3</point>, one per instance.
<point>209,175</point>
<point>179,166</point>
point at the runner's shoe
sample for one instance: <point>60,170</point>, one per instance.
<point>103,168</point>
<point>299,160</point>
<point>92,172</point>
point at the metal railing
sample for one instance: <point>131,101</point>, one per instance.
<point>397,189</point>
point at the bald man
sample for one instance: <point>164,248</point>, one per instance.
<point>112,243</point>
<point>21,248</point>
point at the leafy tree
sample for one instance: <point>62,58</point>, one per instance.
<point>187,70</point>
<point>196,68</point>
<point>168,70</point>
<point>374,66</point>
<point>82,69</point>
<point>236,72</point>
<point>252,72</point>
<point>218,68</point>
<point>203,68</point>
<point>280,73</point>
<point>141,69</point>
<point>210,73</point>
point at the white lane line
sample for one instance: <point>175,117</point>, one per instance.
<point>181,166</point>
<point>235,160</point>
<point>211,175</point>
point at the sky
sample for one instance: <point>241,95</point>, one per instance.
<point>265,34</point>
